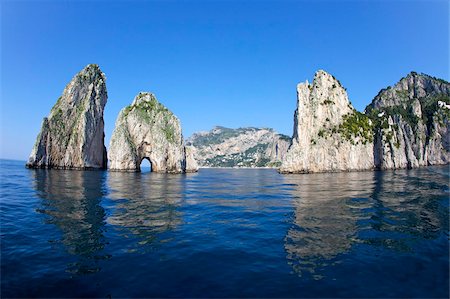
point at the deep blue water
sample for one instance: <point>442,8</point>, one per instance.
<point>224,233</point>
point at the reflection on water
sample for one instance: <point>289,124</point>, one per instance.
<point>334,212</point>
<point>145,205</point>
<point>324,222</point>
<point>405,204</point>
<point>224,233</point>
<point>71,200</point>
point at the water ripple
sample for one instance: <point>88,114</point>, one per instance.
<point>224,233</point>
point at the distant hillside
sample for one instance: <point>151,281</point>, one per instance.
<point>242,147</point>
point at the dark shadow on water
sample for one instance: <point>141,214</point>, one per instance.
<point>71,200</point>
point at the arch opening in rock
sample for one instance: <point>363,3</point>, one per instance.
<point>147,129</point>
<point>145,165</point>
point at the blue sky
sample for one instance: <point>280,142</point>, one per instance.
<point>229,63</point>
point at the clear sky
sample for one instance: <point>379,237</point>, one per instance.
<point>229,63</point>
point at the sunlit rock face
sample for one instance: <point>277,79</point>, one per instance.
<point>413,127</point>
<point>148,130</point>
<point>405,126</point>
<point>329,134</point>
<point>191,162</point>
<point>72,136</point>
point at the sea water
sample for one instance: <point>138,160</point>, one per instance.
<point>224,233</point>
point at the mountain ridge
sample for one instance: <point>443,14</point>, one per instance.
<point>240,147</point>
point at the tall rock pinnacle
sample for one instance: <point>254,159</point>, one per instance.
<point>72,136</point>
<point>329,134</point>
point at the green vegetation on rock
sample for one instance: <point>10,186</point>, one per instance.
<point>274,164</point>
<point>169,131</point>
<point>151,110</point>
<point>403,94</point>
<point>327,102</point>
<point>356,125</point>
<point>57,126</point>
<point>145,107</point>
<point>431,106</point>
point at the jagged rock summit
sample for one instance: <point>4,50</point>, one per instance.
<point>405,126</point>
<point>329,134</point>
<point>242,147</point>
<point>148,130</point>
<point>412,126</point>
<point>72,136</point>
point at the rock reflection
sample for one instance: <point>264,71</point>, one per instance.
<point>406,204</point>
<point>389,209</point>
<point>71,199</point>
<point>325,223</point>
<point>145,205</point>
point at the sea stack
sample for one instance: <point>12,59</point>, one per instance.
<point>148,130</point>
<point>72,136</point>
<point>191,162</point>
<point>329,134</point>
<point>412,123</point>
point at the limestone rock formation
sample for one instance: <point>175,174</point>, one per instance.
<point>243,147</point>
<point>329,134</point>
<point>191,162</point>
<point>147,130</point>
<point>72,136</point>
<point>412,123</point>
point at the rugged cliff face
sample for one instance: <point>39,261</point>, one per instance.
<point>405,126</point>
<point>191,163</point>
<point>329,134</point>
<point>412,123</point>
<point>243,147</point>
<point>147,130</point>
<point>72,136</point>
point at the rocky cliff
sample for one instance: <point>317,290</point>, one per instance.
<point>412,123</point>
<point>329,134</point>
<point>405,126</point>
<point>148,130</point>
<point>72,136</point>
<point>243,147</point>
<point>191,162</point>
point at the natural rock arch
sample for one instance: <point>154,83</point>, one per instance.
<point>144,162</point>
<point>147,129</point>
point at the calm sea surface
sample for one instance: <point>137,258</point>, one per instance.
<point>224,233</point>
